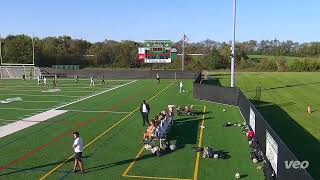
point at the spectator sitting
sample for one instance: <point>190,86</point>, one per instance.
<point>250,135</point>
<point>150,129</point>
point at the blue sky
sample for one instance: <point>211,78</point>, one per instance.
<point>96,20</point>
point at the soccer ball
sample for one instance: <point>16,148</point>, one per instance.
<point>224,110</point>
<point>215,156</point>
<point>239,125</point>
<point>172,147</point>
<point>237,175</point>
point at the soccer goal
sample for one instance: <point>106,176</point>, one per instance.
<point>11,70</point>
<point>17,71</point>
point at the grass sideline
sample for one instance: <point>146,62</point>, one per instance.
<point>284,100</point>
<point>112,144</point>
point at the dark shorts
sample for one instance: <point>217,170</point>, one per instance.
<point>78,156</point>
<point>158,79</point>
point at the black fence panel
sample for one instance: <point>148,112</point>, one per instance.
<point>261,128</point>
<point>216,94</point>
<point>234,96</point>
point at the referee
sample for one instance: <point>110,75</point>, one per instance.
<point>145,109</point>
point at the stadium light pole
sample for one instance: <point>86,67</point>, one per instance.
<point>233,55</point>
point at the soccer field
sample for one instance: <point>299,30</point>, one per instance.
<point>284,100</point>
<point>110,123</point>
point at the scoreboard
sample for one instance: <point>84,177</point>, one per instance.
<point>157,51</point>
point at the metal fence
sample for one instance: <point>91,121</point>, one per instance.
<point>234,96</point>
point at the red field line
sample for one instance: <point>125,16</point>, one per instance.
<point>80,124</point>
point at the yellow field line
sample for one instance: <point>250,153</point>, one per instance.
<point>152,177</point>
<point>196,167</point>
<point>98,137</point>
<point>131,164</point>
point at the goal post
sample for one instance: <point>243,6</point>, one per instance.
<point>9,70</point>
<point>17,71</point>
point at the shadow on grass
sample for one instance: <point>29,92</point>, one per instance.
<point>303,144</point>
<point>118,163</point>
<point>185,130</point>
<point>35,168</point>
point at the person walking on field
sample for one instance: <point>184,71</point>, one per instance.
<point>38,79</point>
<point>158,78</point>
<point>145,109</point>
<point>78,149</point>
<point>44,82</point>
<point>92,81</point>
<point>76,78</point>
<point>181,87</point>
<point>102,81</point>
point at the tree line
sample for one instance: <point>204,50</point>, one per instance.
<point>123,54</point>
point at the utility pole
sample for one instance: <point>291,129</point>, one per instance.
<point>32,50</point>
<point>0,50</point>
<point>233,56</point>
<point>182,60</point>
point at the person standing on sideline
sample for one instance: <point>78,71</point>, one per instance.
<point>158,78</point>
<point>78,149</point>
<point>54,82</point>
<point>38,78</point>
<point>56,78</point>
<point>92,81</point>
<point>103,82</point>
<point>44,82</point>
<point>76,78</point>
<point>145,109</point>
<point>181,87</point>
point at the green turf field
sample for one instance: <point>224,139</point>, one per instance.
<point>284,101</point>
<point>110,125</point>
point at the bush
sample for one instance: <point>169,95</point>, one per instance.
<point>282,65</point>
<point>268,65</point>
<point>304,66</point>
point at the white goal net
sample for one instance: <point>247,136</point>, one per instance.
<point>18,71</point>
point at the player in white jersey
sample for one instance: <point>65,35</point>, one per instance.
<point>92,81</point>
<point>38,78</point>
<point>44,82</point>
<point>181,87</point>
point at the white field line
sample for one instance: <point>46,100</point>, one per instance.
<point>19,82</point>
<point>93,95</point>
<point>71,110</point>
<point>30,121</point>
<point>39,90</point>
<point>40,101</point>
<point>62,87</point>
<point>22,109</point>
<point>93,111</point>
<point>8,94</point>
<point>27,122</point>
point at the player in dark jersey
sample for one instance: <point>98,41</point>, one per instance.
<point>102,81</point>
